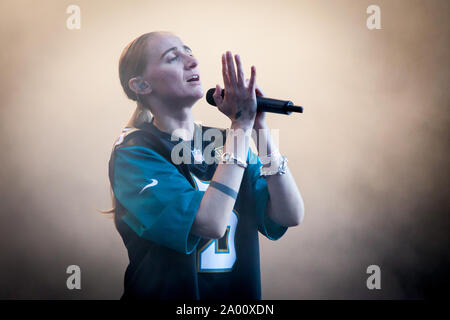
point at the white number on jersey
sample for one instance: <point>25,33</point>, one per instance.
<point>217,255</point>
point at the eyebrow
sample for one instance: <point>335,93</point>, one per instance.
<point>174,48</point>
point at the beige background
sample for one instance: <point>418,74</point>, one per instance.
<point>369,154</point>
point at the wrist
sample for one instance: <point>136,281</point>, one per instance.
<point>278,166</point>
<point>229,157</point>
<point>260,125</point>
<point>270,158</point>
<point>245,126</point>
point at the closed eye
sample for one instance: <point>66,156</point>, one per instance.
<point>175,49</point>
<point>177,57</point>
<point>189,52</point>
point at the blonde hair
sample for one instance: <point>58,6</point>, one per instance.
<point>132,63</point>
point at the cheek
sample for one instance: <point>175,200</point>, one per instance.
<point>167,79</point>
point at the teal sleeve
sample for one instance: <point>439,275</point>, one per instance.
<point>266,226</point>
<point>161,204</point>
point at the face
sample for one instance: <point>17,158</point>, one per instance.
<point>170,65</point>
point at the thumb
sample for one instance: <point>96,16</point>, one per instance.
<point>259,92</point>
<point>217,96</point>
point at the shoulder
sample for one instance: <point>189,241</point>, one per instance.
<point>136,145</point>
<point>130,137</point>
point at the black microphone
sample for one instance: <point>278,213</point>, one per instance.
<point>263,104</point>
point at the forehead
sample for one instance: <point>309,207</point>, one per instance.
<point>162,42</point>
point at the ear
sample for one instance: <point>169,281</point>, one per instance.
<point>139,85</point>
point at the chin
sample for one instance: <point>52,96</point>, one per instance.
<point>193,98</point>
<point>199,94</point>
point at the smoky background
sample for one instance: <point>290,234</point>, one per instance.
<point>369,153</point>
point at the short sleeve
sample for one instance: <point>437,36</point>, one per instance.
<point>260,192</point>
<point>161,204</point>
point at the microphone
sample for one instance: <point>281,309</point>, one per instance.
<point>263,104</point>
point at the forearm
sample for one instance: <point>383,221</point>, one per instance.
<point>285,206</point>
<point>216,206</point>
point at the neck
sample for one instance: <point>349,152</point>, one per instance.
<point>139,116</point>
<point>173,116</point>
<point>182,121</point>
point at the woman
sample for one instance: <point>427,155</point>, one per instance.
<point>191,228</point>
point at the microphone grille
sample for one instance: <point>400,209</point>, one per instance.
<point>209,97</point>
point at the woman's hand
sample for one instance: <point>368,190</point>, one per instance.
<point>260,119</point>
<point>239,102</point>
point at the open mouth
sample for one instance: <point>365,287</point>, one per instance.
<point>194,77</point>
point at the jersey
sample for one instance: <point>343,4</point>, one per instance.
<point>156,203</point>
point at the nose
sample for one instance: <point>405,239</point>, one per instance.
<point>191,62</point>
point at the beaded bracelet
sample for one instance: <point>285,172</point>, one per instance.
<point>281,169</point>
<point>270,157</point>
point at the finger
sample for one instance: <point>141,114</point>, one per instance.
<point>226,80</point>
<point>252,82</point>
<point>217,96</point>
<point>259,92</point>
<point>231,69</point>
<point>240,79</point>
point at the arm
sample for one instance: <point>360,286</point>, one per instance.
<point>238,104</point>
<point>215,209</point>
<point>285,205</point>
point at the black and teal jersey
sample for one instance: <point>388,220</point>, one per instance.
<point>156,202</point>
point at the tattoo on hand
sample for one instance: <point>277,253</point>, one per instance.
<point>238,114</point>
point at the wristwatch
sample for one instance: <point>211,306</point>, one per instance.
<point>228,157</point>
